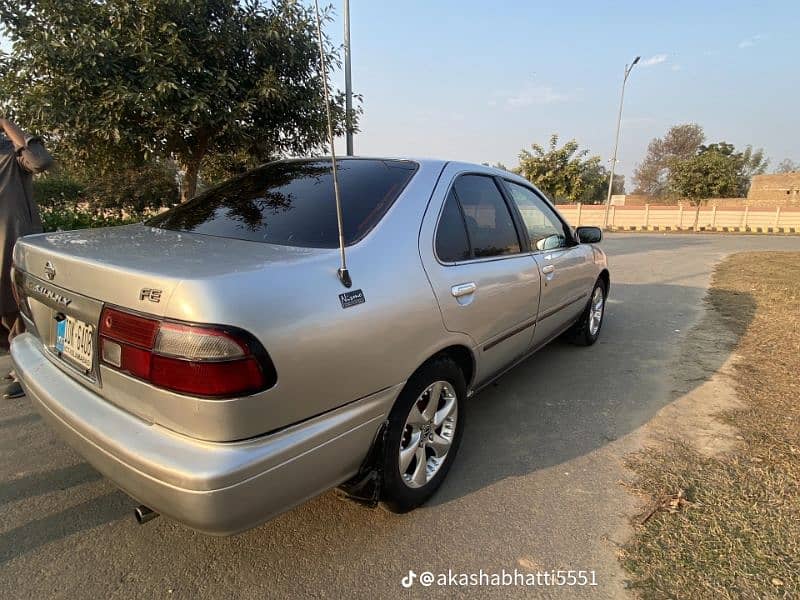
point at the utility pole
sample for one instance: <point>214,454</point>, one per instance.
<point>628,69</point>
<point>348,83</point>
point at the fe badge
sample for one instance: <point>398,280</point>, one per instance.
<point>353,298</point>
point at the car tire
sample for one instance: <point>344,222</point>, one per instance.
<point>419,427</point>
<point>587,329</point>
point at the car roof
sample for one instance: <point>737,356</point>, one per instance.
<point>427,162</point>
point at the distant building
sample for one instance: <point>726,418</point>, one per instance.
<point>779,189</point>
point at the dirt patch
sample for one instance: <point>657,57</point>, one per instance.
<point>723,476</point>
<point>693,417</point>
<point>704,381</point>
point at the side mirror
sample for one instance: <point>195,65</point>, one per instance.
<point>589,235</point>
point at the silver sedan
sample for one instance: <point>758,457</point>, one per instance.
<point>211,363</point>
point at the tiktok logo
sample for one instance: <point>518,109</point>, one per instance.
<point>408,580</point>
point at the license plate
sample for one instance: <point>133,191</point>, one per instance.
<point>75,341</point>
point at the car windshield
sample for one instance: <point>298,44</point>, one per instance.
<point>292,203</point>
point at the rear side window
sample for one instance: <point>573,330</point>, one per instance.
<point>489,224</point>
<point>451,237</point>
<point>292,203</point>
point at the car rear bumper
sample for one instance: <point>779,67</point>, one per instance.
<point>216,488</point>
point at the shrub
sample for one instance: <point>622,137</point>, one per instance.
<point>134,189</point>
<point>65,219</point>
<point>57,189</point>
<point>70,200</point>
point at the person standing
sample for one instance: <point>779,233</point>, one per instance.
<point>21,155</point>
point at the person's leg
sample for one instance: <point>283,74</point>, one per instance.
<point>6,324</point>
<point>16,327</point>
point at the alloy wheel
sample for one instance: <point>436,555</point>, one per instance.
<point>596,310</point>
<point>428,434</point>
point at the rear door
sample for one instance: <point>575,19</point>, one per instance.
<point>566,267</point>
<point>485,280</point>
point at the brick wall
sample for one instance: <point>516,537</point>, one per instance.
<point>766,199</point>
<point>723,202</point>
<point>779,189</point>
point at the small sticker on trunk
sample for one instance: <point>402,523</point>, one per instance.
<point>353,298</point>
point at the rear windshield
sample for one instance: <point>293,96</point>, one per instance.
<point>292,203</point>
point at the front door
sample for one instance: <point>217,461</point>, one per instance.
<point>566,267</point>
<point>485,281</point>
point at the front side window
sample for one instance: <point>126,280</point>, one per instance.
<point>545,229</point>
<point>489,223</point>
<point>292,203</point>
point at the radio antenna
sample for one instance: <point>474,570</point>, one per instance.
<point>343,273</point>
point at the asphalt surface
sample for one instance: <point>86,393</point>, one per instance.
<point>536,484</point>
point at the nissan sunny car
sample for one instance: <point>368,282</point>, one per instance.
<point>211,363</point>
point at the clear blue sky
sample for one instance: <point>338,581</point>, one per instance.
<point>478,81</point>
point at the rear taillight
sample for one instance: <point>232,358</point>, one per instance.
<point>201,360</point>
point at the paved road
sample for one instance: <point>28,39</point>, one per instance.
<point>536,484</point>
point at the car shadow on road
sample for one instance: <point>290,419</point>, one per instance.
<point>568,401</point>
<point>47,481</point>
<point>20,420</point>
<point>80,517</point>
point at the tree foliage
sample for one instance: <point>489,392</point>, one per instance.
<point>673,166</point>
<point>714,172</point>
<point>746,164</point>
<point>115,81</point>
<point>708,174</point>
<point>618,186</point>
<point>565,174</point>
<point>134,190</point>
<point>787,165</point>
<point>652,175</point>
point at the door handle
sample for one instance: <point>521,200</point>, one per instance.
<point>547,269</point>
<point>463,289</point>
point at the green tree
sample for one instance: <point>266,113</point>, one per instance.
<point>565,174</point>
<point>747,163</point>
<point>118,82</point>
<point>652,175</point>
<point>709,174</point>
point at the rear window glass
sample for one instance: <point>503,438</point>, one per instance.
<point>292,203</point>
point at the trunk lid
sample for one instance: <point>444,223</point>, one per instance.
<point>139,267</point>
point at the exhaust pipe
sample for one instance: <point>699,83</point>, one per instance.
<point>144,514</point>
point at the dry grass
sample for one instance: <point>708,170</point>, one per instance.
<point>729,526</point>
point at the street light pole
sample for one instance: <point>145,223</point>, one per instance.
<point>348,84</point>
<point>628,69</point>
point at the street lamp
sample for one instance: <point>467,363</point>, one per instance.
<point>628,69</point>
